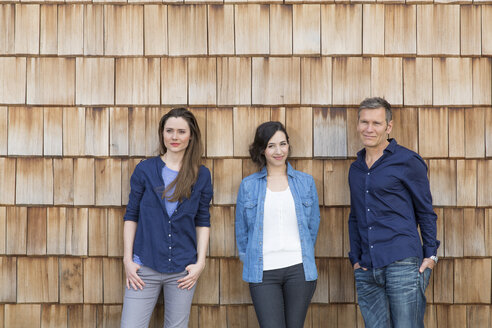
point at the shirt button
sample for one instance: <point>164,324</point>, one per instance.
<point>169,235</point>
<point>169,260</point>
<point>368,173</point>
<point>367,191</point>
<point>368,209</point>
<point>372,246</point>
<point>370,228</point>
<point>169,221</point>
<point>169,247</point>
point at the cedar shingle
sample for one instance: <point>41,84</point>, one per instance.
<point>280,29</point>
<point>37,279</point>
<point>70,29</point>
<point>417,81</point>
<point>452,81</point>
<point>316,80</point>
<point>330,132</point>
<point>221,30</point>
<point>123,30</point>
<point>341,29</point>
<point>306,29</point>
<point>12,80</point>
<point>53,131</point>
<point>252,29</point>
<point>95,81</point>
<point>155,30</point>
<point>34,181</point>
<point>246,120</point>
<point>187,23</point>
<point>27,29</point>
<point>233,81</point>
<point>25,132</point>
<point>299,126</point>
<point>373,29</point>
<point>202,84</point>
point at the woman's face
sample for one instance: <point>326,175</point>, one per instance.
<point>176,134</point>
<point>277,150</point>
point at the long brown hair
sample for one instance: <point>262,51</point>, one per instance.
<point>190,164</point>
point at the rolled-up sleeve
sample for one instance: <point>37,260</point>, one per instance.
<point>202,218</point>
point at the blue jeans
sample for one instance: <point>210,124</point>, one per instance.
<point>393,296</point>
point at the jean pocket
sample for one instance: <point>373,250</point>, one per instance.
<point>425,279</point>
<point>413,260</point>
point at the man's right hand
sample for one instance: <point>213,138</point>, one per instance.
<point>357,266</point>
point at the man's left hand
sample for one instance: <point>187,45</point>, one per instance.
<point>427,263</point>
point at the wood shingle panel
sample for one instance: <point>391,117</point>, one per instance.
<point>335,182</point>
<point>351,80</point>
<point>174,80</point>
<point>387,79</point>
<point>276,81</point>
<point>213,316</point>
<point>94,81</point>
<point>16,231</point>
<point>202,83</point>
<point>98,232</point>
<point>84,185</point>
<point>306,29</point>
<point>373,29</point>
<point>433,132</point>
<point>187,23</point>
<point>330,132</point>
<point>477,270</point>
<point>233,81</point>
<point>73,131</point>
<point>207,289</point>
<point>93,30</point>
<point>34,181</point>
<point>466,182</point>
<point>252,26</point>
<point>400,29</point>
<point>113,277</point>
<point>118,134</point>
<point>482,81</point>
<point>123,30</point>
<point>48,34</point>
<point>442,177</point>
<point>354,143</point>
<point>155,30</point>
<point>37,279</point>
<point>316,80</point>
<point>7,176</point>
<point>438,29</point>
<point>246,120</point>
<point>341,29</point>
<point>27,29</point>
<point>220,132</point>
<point>70,29</point>
<point>97,131</point>
<point>71,280</point>
<point>3,129</point>
<point>76,235</point>
<point>315,169</point>
<point>115,231</point>
<point>341,277</point>
<point>63,181</point>
<point>443,281</point>
<point>452,81</point>
<point>137,81</point>
<point>221,30</point>
<point>478,316</point>
<point>36,231</point>
<point>486,27</point>
<point>226,181</point>
<point>7,28</point>
<point>93,277</point>
<point>280,29</point>
<point>233,290</point>
<point>56,225</point>
<point>473,232</point>
<point>417,81</point>
<point>25,131</point>
<point>456,123</point>
<point>322,292</point>
<point>470,28</point>
<point>53,131</point>
<point>51,81</point>
<point>80,316</point>
<point>405,123</point>
<point>331,225</point>
<point>453,232</point>
<point>153,116</point>
<point>8,278</point>
<point>108,182</point>
<point>484,187</point>
<point>475,132</point>
<point>299,126</point>
<point>12,80</point>
<point>54,315</point>
<point>488,231</point>
<point>23,315</point>
<point>3,229</point>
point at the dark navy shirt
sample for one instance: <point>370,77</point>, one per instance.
<point>388,202</point>
<point>166,244</point>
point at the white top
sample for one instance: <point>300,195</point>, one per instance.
<point>281,242</point>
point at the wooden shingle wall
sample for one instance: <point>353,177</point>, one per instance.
<point>83,85</point>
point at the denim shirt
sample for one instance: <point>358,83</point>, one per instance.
<point>249,221</point>
<point>166,244</point>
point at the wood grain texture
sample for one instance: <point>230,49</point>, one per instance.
<point>84,185</point>
<point>387,79</point>
<point>482,81</point>
<point>484,187</point>
<point>27,29</point>
<point>281,29</point>
<point>70,30</point>
<point>473,232</point>
<point>299,126</point>
<point>123,30</point>
<point>53,131</point>
<point>25,133</point>
<point>335,182</point>
<point>452,81</point>
<point>137,81</point>
<point>342,286</point>
<point>316,80</point>
<point>7,176</point>
<point>475,132</point>
<point>7,28</point>
<point>306,29</point>
<point>331,224</point>
<point>400,29</point>
<point>405,123</point>
<point>453,232</point>
<point>351,80</point>
<point>373,27</point>
<point>174,80</point>
<point>470,28</point>
<point>488,132</point>
<point>252,29</point>
<point>3,229</point>
<point>56,225</point>
<point>246,120</point>
<point>315,169</point>
<point>442,178</point>
<point>37,279</point>
<point>12,80</point>
<point>438,30</point>
<point>202,84</point>
<point>34,181</point>
<point>207,289</point>
<point>93,277</point>
<point>36,231</point>
<point>48,33</point>
<point>119,131</point>
<point>113,277</point>
<point>467,182</point>
<point>76,236</point>
<point>417,81</point>
<point>443,281</point>
<point>23,315</point>
<point>486,26</point>
<point>98,232</point>
<point>3,129</point>
<point>95,81</point>
<point>97,131</point>
<point>71,280</point>
<point>108,182</point>
<point>220,132</point>
<point>221,30</point>
<point>115,231</point>
<point>155,30</point>
<point>341,29</point>
<point>54,315</point>
<point>276,81</point>
<point>478,269</point>
<point>187,23</point>
<point>225,180</point>
<point>456,123</point>
<point>93,30</point>
<point>433,132</point>
<point>233,81</point>
<point>233,290</point>
<point>8,277</point>
<point>330,132</point>
<point>16,230</point>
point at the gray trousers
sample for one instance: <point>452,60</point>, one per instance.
<point>139,304</point>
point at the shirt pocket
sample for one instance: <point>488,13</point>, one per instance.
<point>307,205</point>
<point>250,209</point>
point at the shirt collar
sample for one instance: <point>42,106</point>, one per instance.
<point>290,171</point>
<point>361,155</point>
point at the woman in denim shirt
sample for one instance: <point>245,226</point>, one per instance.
<point>277,220</point>
<point>166,227</point>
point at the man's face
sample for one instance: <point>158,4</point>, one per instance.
<point>372,127</point>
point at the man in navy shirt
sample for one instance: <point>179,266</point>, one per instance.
<point>390,199</point>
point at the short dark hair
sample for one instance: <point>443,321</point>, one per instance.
<point>374,103</point>
<point>264,132</point>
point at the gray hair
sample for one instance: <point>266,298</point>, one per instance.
<point>374,103</point>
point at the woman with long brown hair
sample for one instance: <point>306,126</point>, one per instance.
<point>166,229</point>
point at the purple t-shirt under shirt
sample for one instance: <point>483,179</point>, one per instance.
<point>168,176</point>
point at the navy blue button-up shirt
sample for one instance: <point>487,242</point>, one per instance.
<point>166,244</point>
<point>388,202</point>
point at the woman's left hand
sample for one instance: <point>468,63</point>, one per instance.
<point>194,271</point>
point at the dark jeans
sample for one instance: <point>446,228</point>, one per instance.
<point>393,296</point>
<point>282,299</point>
